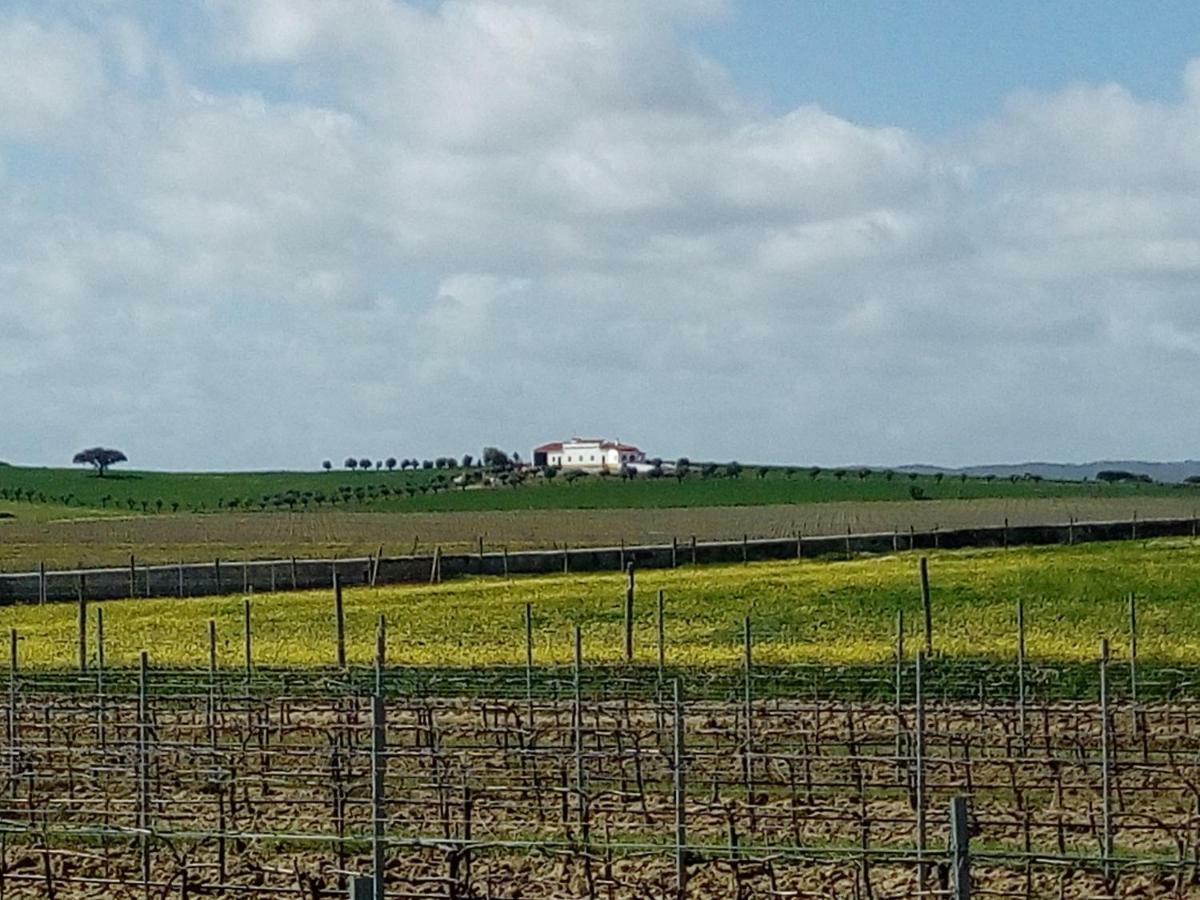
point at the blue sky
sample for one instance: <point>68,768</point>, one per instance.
<point>939,65</point>
<point>260,233</point>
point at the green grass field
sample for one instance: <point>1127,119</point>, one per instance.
<point>79,492</point>
<point>802,611</point>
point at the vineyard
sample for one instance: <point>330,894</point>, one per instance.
<point>921,777</point>
<point>634,764</point>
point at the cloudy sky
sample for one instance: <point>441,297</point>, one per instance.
<point>258,233</point>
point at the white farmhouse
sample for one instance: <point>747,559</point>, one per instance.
<point>588,454</point>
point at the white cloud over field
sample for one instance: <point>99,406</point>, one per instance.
<point>308,229</point>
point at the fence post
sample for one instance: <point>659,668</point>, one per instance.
<point>630,583</point>
<point>1133,691</point>
<point>132,577</point>
<point>899,705</point>
<point>41,582</point>
<point>380,652</point>
<point>212,683</point>
<point>83,629</point>
<point>435,567</point>
<point>100,678</point>
<point>960,851</point>
<point>926,606</point>
<point>1021,670</point>
<point>339,622</point>
<point>143,769</point>
<point>247,638</point>
<point>680,794</point>
<point>1105,764</point>
<point>580,781</point>
<point>919,765</point>
<point>13,735</point>
<point>748,713</point>
<point>674,552</point>
<point>529,664</point>
<point>662,635</point>
<point>378,805</point>
<point>362,887</point>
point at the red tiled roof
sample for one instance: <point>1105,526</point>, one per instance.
<point>556,446</point>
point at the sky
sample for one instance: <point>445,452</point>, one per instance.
<point>261,233</point>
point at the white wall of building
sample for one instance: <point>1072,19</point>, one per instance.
<point>593,455</point>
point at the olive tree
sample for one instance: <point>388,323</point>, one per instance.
<point>99,458</point>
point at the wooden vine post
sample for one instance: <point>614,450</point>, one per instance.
<point>339,622</point>
<point>630,585</point>
<point>679,793</point>
<point>926,606</point>
<point>378,803</point>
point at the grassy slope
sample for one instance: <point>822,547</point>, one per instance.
<point>109,540</point>
<point>802,611</point>
<point>209,491</point>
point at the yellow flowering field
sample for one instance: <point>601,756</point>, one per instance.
<point>802,611</point>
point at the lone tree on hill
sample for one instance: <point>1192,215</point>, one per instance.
<point>99,458</point>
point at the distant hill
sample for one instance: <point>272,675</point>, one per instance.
<point>1165,472</point>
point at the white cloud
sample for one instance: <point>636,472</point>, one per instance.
<point>383,226</point>
<point>47,77</point>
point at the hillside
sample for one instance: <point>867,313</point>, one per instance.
<point>28,491</point>
<point>1165,472</point>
